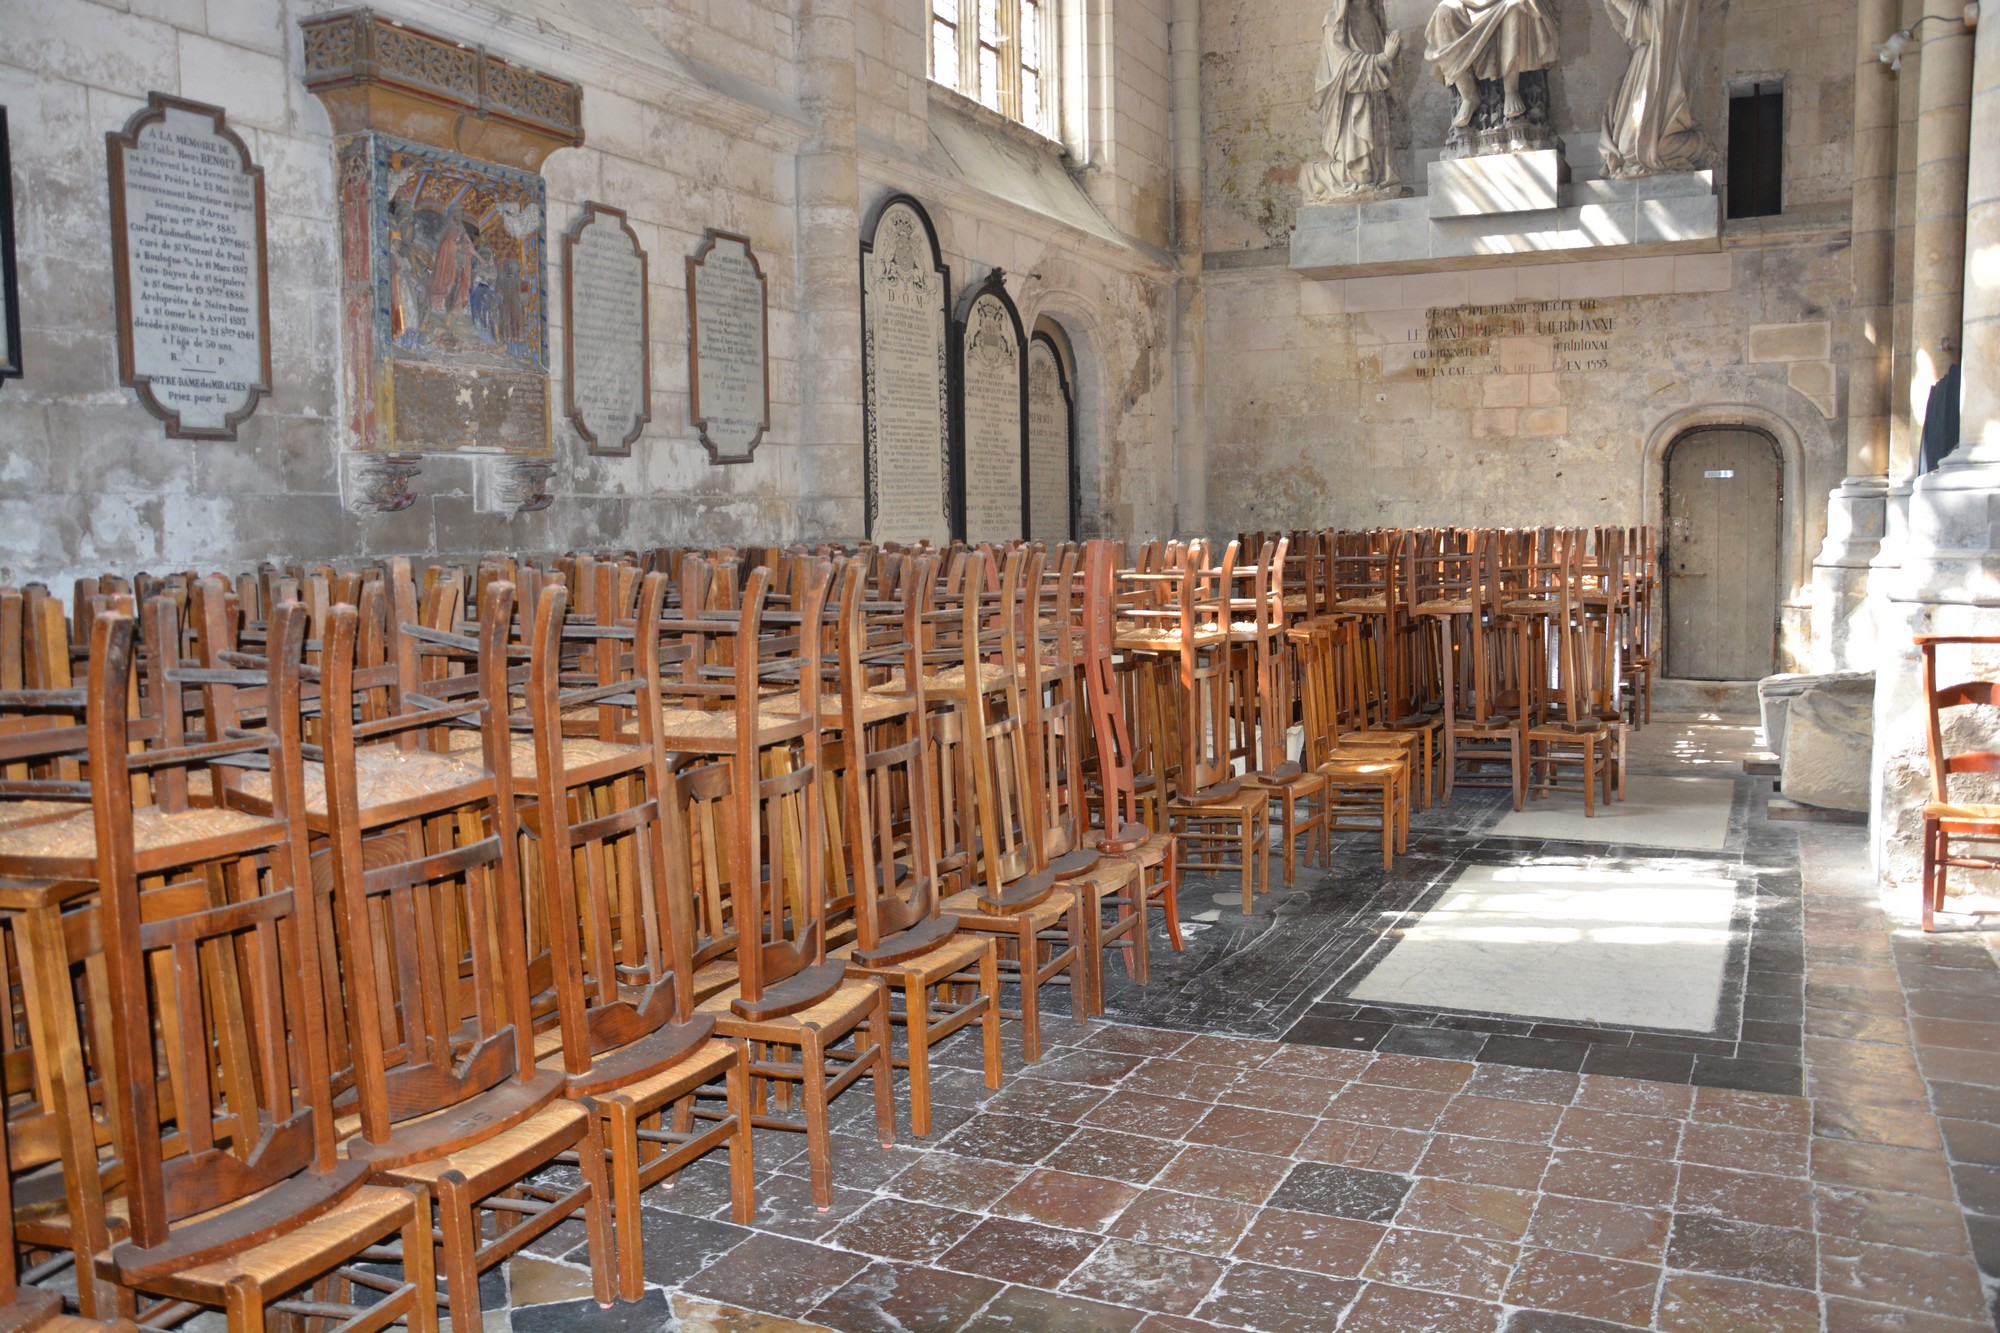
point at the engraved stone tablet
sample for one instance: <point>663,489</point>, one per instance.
<point>992,414</point>
<point>187,255</point>
<point>607,370</point>
<point>10,316</point>
<point>729,378</point>
<point>905,401</point>
<point>1049,444</point>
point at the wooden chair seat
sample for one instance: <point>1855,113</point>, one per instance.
<point>366,1217</point>
<point>1962,816</point>
<point>713,730</point>
<point>385,777</point>
<point>1044,914</point>
<point>1152,851</point>
<point>877,705</point>
<point>945,988</point>
<point>703,1063</point>
<point>16,814</point>
<point>1133,637</point>
<point>498,1157</point>
<point>1051,923</point>
<point>579,754</point>
<point>951,680</point>
<point>69,846</point>
<point>839,1011</point>
<point>957,952</point>
<point>1376,605</point>
<point>1113,881</point>
<point>1446,606</point>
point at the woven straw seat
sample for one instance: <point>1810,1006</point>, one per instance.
<point>75,838</point>
<point>992,676</point>
<point>16,814</point>
<point>383,775</point>
<point>370,1212</point>
<point>578,752</point>
<point>714,727</point>
<point>876,706</point>
<point>1968,811</point>
<point>1377,604</point>
<point>1446,606</point>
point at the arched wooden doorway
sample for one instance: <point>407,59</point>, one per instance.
<point>1720,553</point>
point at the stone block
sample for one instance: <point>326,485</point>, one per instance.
<point>1505,391</point>
<point>1829,742</point>
<point>1791,342</point>
<point>1497,183</point>
<point>1652,276</point>
<point>1366,294</point>
<point>1544,421</point>
<point>1703,273</point>
<point>1322,300</point>
<point>1816,380</point>
<point>1676,184</point>
<point>1544,390</point>
<point>1392,242</point>
<point>1492,423</point>
<point>1325,237</point>
<point>1677,219</point>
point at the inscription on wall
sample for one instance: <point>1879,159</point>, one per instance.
<point>729,378</point>
<point>905,397</point>
<point>607,375</point>
<point>1523,337</point>
<point>187,237</point>
<point>993,421</point>
<point>1049,445</point>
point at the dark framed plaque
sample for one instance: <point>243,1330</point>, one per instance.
<point>729,369</point>
<point>905,376</point>
<point>1052,478</point>
<point>607,347</point>
<point>188,268</point>
<point>10,300</point>
<point>990,388</point>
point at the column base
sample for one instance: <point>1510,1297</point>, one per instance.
<point>1842,622</point>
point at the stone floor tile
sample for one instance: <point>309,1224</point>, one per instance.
<point>1956,1066</point>
<point>1180,1078</point>
<point>1316,1062</point>
<point>900,1229</point>
<point>1093,1068</point>
<point>1633,1096</point>
<point>1146,1113</point>
<point>1776,1201</point>
<point>1876,1166</point>
<point>1175,1323</point>
<point>1239,1052</point>
<point>1500,1118</point>
<point>1696,1303</point>
<point>905,1298</point>
<point>1613,1132</point>
<point>1291,1093</point>
<point>1102,1152</point>
<point>1530,1085</point>
<point>1460,1265</point>
<point>1645,1181</point>
<point>785,1205</point>
<point>1248,1130</point>
<point>1060,1199</point>
<point>1593,1226</point>
<point>1907,1126</point>
<point>1388,1309</point>
<point>642,1316</point>
<point>1145,1277</point>
<point>1394,1106</point>
<point>1126,1040</point>
<point>1634,1064</point>
<point>1727,1248</point>
<point>1978,1187</point>
<point>1410,1071</point>
<point>951,1181</point>
<point>1584,1284</point>
<point>1224,1174</point>
<point>1746,1149</point>
<point>1337,1246</point>
<point>1345,1034</point>
<point>1033,1311</point>
<point>1341,1191</point>
<point>777,1274</point>
<point>1973,1141</point>
<point>1850,1316</point>
<point>1014,1251</point>
<point>1007,1138</point>
<point>675,1247</point>
<point>1351,1143</point>
<point>1549,1321</point>
<point>1753,1110</point>
<point>1462,1209</point>
<point>1886,1218</point>
<point>1043,1099</point>
<point>1485,1161</point>
<point>1946,1284</point>
<point>1184,1221</point>
<point>1273,1300</point>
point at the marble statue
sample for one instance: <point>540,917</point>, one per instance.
<point>1470,40</point>
<point>1649,124</point>
<point>1357,53</point>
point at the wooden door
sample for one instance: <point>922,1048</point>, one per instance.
<point>1724,503</point>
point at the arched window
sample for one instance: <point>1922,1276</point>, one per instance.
<point>1001,53</point>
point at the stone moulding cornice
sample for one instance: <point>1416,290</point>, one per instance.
<point>631,63</point>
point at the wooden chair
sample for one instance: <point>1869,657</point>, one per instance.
<point>632,1046</point>
<point>427,888</point>
<point>946,979</point>
<point>749,810</point>
<point>1299,794</point>
<point>1360,776</point>
<point>225,966</point>
<point>1569,724</point>
<point>1947,819</point>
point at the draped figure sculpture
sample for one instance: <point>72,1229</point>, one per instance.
<point>1649,124</point>
<point>1357,54</point>
<point>1470,40</point>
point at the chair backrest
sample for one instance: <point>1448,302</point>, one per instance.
<point>1959,753</point>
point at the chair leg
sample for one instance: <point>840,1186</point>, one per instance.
<point>458,1248</point>
<point>742,1163</point>
<point>597,1211</point>
<point>244,1303</point>
<point>819,1145</point>
<point>917,1031</point>
<point>989,1022</point>
<point>1031,1000</point>
<point>624,1135</point>
<point>420,1264</point>
<point>1171,895</point>
<point>1932,836</point>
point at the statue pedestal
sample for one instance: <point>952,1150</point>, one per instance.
<point>1527,182</point>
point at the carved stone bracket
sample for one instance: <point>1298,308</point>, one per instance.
<point>513,485</point>
<point>376,73</point>
<point>380,483</point>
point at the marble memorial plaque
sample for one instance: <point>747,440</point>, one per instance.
<point>188,266</point>
<point>992,421</point>
<point>10,310</point>
<point>607,363</point>
<point>905,396</point>
<point>1049,444</point>
<point>729,374</point>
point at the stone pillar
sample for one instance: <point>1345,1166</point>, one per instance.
<point>1843,624</point>
<point>1950,579</point>
<point>831,482</point>
<point>1190,337</point>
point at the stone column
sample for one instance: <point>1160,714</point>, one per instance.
<point>1190,336</point>
<point>1950,579</point>
<point>831,499</point>
<point>1843,625</point>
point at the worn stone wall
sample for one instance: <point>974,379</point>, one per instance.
<point>694,118</point>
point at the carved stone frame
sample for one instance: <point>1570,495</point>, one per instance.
<point>869,426</point>
<point>695,263</point>
<point>117,143</point>
<point>994,284</point>
<point>592,211</point>
<point>10,291</point>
